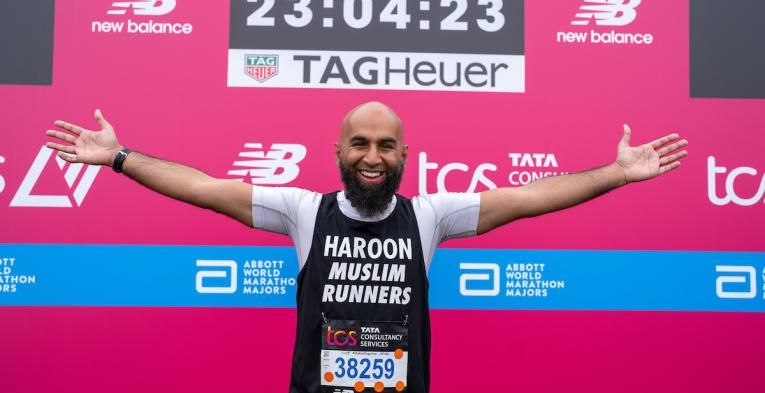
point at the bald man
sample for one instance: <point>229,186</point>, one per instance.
<point>364,252</point>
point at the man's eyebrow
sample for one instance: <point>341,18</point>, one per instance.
<point>389,139</point>
<point>358,138</point>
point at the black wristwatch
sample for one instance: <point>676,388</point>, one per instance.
<point>120,159</point>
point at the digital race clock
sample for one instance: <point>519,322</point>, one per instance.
<point>469,45</point>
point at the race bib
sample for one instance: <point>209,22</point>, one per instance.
<point>361,356</point>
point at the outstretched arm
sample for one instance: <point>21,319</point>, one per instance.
<point>177,181</point>
<point>503,205</point>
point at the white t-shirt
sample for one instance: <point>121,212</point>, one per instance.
<point>292,211</point>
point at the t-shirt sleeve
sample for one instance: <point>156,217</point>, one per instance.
<point>445,216</point>
<point>289,211</point>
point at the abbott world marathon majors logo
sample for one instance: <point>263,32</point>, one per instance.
<point>517,279</point>
<point>259,277</point>
<point>138,17</point>
<point>12,281</point>
<point>601,22</point>
<point>742,186</point>
<point>455,45</point>
<point>738,282</point>
<point>518,169</point>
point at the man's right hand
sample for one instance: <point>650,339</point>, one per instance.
<point>230,197</point>
<point>86,146</point>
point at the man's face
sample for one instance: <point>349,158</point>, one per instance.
<point>371,155</point>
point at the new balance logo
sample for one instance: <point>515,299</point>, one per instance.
<point>142,7</point>
<point>606,12</point>
<point>78,185</point>
<point>278,165</point>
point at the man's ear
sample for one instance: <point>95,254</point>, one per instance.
<point>337,153</point>
<point>405,153</point>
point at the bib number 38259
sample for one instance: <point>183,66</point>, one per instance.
<point>361,356</point>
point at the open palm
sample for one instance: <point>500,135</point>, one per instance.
<point>651,159</point>
<point>86,146</point>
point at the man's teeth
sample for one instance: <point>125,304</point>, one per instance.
<point>371,174</point>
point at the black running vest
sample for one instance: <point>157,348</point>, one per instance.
<point>346,261</point>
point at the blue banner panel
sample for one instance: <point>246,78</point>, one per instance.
<point>598,280</point>
<point>222,276</point>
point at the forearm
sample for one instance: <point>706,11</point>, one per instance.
<point>174,180</point>
<point>503,205</point>
<point>230,197</point>
<point>560,192</point>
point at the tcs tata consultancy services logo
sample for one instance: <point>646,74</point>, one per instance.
<point>341,337</point>
<point>277,165</point>
<point>730,178</point>
<point>742,279</point>
<point>78,185</point>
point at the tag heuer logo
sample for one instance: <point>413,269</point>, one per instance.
<point>261,68</point>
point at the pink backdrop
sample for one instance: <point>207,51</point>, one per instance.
<point>167,96</point>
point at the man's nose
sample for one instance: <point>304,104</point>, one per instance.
<point>372,158</point>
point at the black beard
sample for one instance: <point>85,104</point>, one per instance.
<point>370,199</point>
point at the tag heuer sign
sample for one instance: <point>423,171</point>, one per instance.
<point>261,68</point>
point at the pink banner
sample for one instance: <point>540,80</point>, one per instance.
<point>167,94</point>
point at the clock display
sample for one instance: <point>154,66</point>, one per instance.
<point>443,26</point>
<point>447,45</point>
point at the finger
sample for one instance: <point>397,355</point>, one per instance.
<point>67,157</point>
<point>61,135</point>
<point>663,141</point>
<point>666,168</point>
<point>668,149</point>
<point>626,137</point>
<point>69,127</point>
<point>101,119</point>
<point>668,159</point>
<point>65,148</point>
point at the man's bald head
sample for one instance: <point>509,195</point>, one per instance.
<point>373,115</point>
<point>371,155</point>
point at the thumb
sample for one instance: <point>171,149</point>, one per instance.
<point>626,137</point>
<point>101,119</point>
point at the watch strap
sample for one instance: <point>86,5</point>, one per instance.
<point>120,159</point>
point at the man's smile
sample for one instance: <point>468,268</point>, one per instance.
<point>371,177</point>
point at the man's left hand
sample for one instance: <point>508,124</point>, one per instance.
<point>650,160</point>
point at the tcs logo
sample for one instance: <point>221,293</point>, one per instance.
<point>731,195</point>
<point>341,338</point>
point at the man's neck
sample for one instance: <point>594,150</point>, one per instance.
<point>351,212</point>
